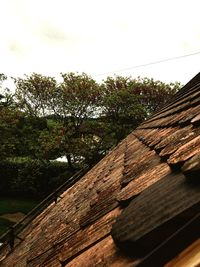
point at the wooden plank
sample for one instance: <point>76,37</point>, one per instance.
<point>146,179</point>
<point>104,253</point>
<point>82,240</point>
<point>189,257</point>
<point>185,152</point>
<point>135,169</point>
<point>173,137</point>
<point>192,165</point>
<point>154,207</point>
<point>177,143</point>
<point>175,244</point>
<point>176,107</point>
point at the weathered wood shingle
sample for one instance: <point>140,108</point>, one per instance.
<point>137,229</point>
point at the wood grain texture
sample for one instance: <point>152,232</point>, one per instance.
<point>155,206</point>
<point>190,257</point>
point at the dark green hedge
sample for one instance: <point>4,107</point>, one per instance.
<point>31,178</point>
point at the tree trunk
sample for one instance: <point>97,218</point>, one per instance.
<point>70,162</point>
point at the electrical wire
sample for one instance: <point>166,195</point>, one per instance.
<point>150,63</point>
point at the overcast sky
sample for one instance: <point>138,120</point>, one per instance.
<point>100,37</point>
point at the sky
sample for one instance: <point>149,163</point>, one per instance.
<point>101,38</point>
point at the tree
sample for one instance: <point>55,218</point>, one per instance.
<point>75,102</point>
<point>122,109</point>
<point>33,94</point>
<point>127,102</point>
<point>10,118</point>
<point>153,94</point>
<point>87,119</point>
<point>70,103</point>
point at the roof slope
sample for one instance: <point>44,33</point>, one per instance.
<point>148,183</point>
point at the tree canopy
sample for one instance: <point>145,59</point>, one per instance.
<point>77,117</point>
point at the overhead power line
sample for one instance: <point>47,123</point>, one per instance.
<point>150,63</point>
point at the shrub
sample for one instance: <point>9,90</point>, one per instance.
<point>31,178</point>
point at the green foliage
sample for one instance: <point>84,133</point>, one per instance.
<point>50,142</point>
<point>153,94</point>
<point>9,121</point>
<point>79,96</point>
<point>126,102</point>
<point>3,77</point>
<point>14,205</point>
<point>121,106</point>
<point>80,118</point>
<point>4,225</point>
<point>77,118</point>
<point>31,178</point>
<point>33,93</point>
<point>76,100</point>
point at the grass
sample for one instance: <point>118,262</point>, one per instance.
<point>13,205</point>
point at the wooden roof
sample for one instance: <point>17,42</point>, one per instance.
<point>188,257</point>
<point>126,208</point>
